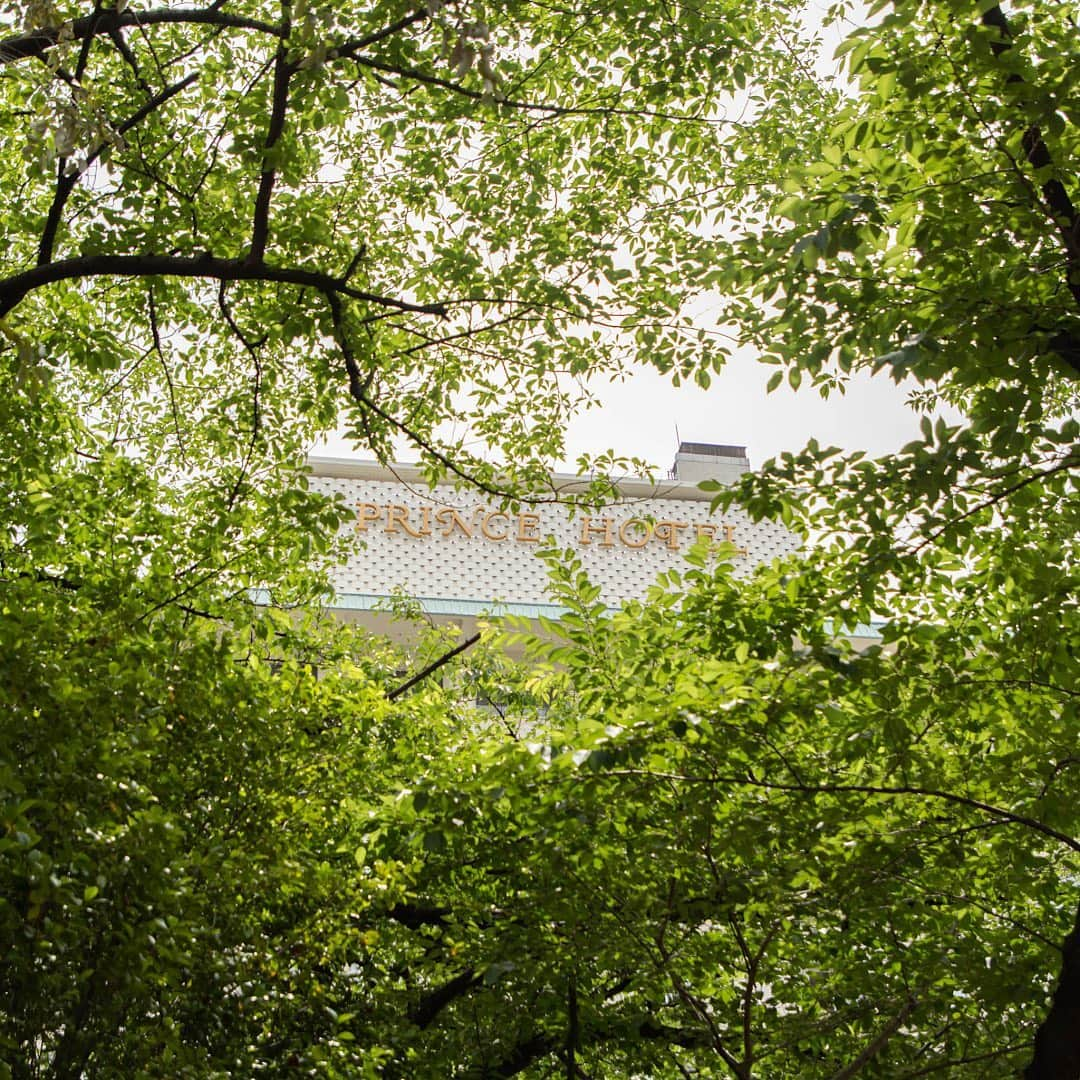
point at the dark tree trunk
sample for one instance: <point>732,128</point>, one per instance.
<point>1057,1042</point>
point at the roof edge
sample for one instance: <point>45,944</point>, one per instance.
<point>630,487</point>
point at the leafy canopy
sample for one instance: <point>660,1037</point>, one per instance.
<point>702,836</point>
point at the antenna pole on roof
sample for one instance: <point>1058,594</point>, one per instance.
<point>678,441</point>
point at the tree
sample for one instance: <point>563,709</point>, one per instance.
<point>429,208</point>
<point>218,222</point>
<point>732,845</point>
<point>937,238</point>
<point>747,849</point>
<point>774,857</point>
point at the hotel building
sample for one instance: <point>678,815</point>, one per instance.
<point>462,557</point>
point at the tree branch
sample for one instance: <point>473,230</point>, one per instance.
<point>1058,205</point>
<point>930,793</point>
<point>433,667</point>
<point>523,1055</point>
<point>283,72</point>
<point>354,45</point>
<point>87,42</point>
<point>416,75</point>
<point>861,789</point>
<point>358,390</point>
<point>14,289</point>
<point>1057,1044</point>
<point>432,1004</point>
<point>573,1028</point>
<point>700,1013</point>
<point>130,59</point>
<point>752,962</point>
<point>876,1044</point>
<point>532,1049</point>
<point>416,915</point>
<point>65,184</point>
<point>955,1063</point>
<point>1070,461</point>
<point>252,348</point>
<point>155,332</point>
<point>38,42</point>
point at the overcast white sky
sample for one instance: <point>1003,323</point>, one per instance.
<point>638,417</point>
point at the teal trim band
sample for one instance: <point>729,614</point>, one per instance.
<point>436,605</point>
<point>861,630</point>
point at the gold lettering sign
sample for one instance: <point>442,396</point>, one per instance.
<point>626,534</point>
<point>527,524</point>
<point>668,532</point>
<point>366,513</point>
<point>485,526</point>
<point>498,527</point>
<point>450,520</point>
<point>729,536</point>
<point>604,529</point>
<point>399,516</point>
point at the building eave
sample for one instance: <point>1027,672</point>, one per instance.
<point>628,488</point>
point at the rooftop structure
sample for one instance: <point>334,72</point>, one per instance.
<point>707,461</point>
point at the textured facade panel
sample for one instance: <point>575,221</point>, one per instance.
<point>452,545</point>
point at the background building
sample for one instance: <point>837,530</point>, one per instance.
<point>462,557</point>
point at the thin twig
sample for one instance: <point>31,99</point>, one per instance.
<point>416,75</point>
<point>432,667</point>
<point>860,789</point>
<point>1069,462</point>
<point>156,334</point>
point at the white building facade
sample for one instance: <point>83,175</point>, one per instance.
<point>461,557</point>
